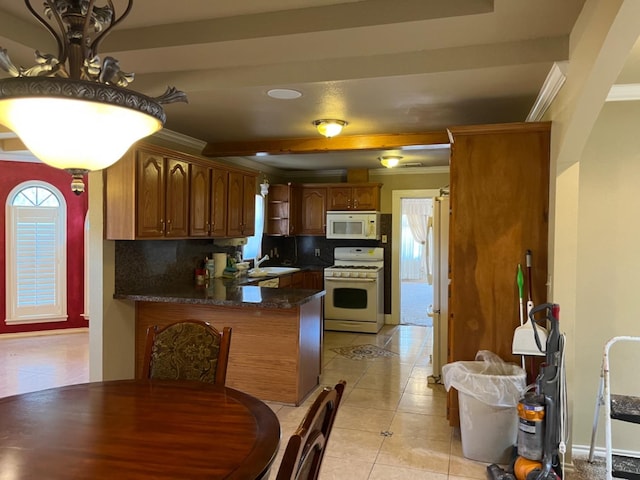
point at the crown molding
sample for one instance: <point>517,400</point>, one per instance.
<point>624,92</point>
<point>180,139</point>
<point>550,88</point>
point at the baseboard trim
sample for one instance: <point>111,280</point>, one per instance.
<point>583,450</point>
<point>40,333</point>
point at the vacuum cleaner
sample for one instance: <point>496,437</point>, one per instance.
<point>540,411</point>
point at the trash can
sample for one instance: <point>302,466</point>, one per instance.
<point>488,392</point>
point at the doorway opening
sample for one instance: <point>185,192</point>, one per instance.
<point>416,262</point>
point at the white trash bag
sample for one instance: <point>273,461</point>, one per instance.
<point>488,379</point>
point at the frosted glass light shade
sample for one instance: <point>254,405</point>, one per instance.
<point>69,133</point>
<point>390,162</point>
<point>329,127</point>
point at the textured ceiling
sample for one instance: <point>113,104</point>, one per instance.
<point>385,66</point>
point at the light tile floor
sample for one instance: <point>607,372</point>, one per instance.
<point>391,424</point>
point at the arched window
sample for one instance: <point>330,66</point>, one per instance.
<point>36,226</point>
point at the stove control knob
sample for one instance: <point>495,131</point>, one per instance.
<point>337,274</point>
<point>362,275</point>
<point>354,274</point>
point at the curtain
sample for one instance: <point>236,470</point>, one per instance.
<point>417,239</point>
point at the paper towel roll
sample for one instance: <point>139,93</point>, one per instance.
<point>220,262</point>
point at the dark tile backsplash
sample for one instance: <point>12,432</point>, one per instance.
<point>140,264</point>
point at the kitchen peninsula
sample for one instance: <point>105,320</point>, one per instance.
<point>276,344</point>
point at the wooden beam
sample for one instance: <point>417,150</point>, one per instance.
<point>4,129</point>
<point>321,145</point>
<point>13,145</point>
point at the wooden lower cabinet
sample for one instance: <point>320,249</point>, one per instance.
<point>275,353</point>
<point>313,279</point>
<point>499,210</point>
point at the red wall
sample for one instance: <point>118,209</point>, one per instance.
<point>14,173</point>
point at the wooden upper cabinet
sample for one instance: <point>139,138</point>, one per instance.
<point>154,192</point>
<point>283,202</point>
<point>163,196</point>
<point>354,197</point>
<point>150,180</point>
<point>177,199</point>
<point>219,202</point>
<point>313,215</point>
<point>499,197</point>
<point>241,205</point>
<point>199,201</point>
<point>209,189</point>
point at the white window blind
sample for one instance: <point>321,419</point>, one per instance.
<point>36,255</point>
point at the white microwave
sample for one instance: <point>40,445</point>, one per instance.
<point>353,225</point>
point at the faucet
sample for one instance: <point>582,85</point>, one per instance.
<point>258,262</point>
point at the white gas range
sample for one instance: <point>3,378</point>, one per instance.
<point>354,286</point>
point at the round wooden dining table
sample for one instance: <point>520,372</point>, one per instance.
<point>134,429</point>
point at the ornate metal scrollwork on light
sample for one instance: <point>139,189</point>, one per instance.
<point>72,110</point>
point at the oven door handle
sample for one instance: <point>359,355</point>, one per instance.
<point>348,279</point>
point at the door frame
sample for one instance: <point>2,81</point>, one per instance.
<point>396,228</point>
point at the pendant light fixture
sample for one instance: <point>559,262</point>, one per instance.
<point>264,187</point>
<point>329,127</point>
<point>390,161</point>
<point>73,110</point>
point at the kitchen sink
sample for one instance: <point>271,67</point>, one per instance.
<point>271,271</point>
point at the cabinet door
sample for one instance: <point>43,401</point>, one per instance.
<point>234,209</point>
<point>313,279</point>
<point>365,198</point>
<point>177,199</point>
<point>150,221</point>
<point>219,202</point>
<point>313,211</point>
<point>339,198</point>
<point>199,201</point>
<point>249,206</point>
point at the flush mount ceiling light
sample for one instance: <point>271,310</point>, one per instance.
<point>390,161</point>
<point>284,93</point>
<point>329,127</point>
<point>72,110</point>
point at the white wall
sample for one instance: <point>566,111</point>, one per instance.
<point>112,322</point>
<point>593,169</point>
<point>608,263</point>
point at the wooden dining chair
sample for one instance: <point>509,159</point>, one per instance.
<point>305,449</point>
<point>187,350</point>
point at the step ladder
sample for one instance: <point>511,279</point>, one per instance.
<point>624,408</point>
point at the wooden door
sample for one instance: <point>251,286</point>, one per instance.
<point>499,210</point>
<point>365,198</point>
<point>199,201</point>
<point>219,186</point>
<point>339,198</point>
<point>313,211</point>
<point>150,186</point>
<point>249,206</point>
<point>177,199</point>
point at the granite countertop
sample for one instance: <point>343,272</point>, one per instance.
<point>227,292</point>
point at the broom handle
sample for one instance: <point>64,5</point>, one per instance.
<point>530,287</point>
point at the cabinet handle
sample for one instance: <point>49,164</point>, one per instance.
<point>168,226</point>
<point>161,229</point>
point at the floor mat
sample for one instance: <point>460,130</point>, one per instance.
<point>363,352</point>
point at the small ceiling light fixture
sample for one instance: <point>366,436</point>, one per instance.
<point>390,161</point>
<point>264,187</point>
<point>284,93</point>
<point>73,110</point>
<point>329,127</point>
